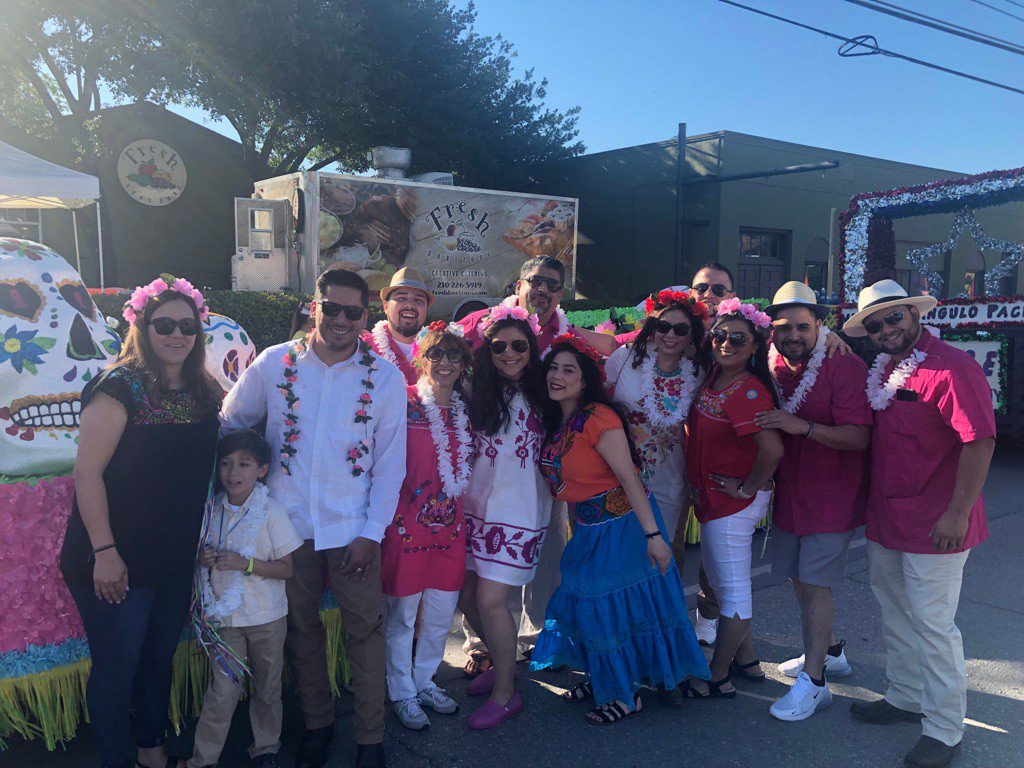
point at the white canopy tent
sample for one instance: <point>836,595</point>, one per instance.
<point>27,181</point>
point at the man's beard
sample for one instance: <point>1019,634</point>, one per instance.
<point>802,357</point>
<point>546,304</point>
<point>406,326</point>
<point>910,336</point>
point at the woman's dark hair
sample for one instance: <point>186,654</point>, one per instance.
<point>488,403</point>
<point>300,317</point>
<point>647,334</point>
<point>137,354</point>
<point>246,440</point>
<point>593,393</point>
<point>758,362</point>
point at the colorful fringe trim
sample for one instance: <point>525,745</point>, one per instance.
<point>49,704</point>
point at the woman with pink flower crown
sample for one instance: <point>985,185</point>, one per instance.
<point>507,504</point>
<point>729,464</point>
<point>145,455</point>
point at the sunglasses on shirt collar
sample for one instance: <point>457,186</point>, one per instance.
<point>330,309</point>
<point>717,288</point>
<point>892,319</point>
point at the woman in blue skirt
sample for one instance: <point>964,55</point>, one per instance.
<point>619,614</point>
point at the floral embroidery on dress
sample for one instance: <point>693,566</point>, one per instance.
<point>510,545</point>
<point>523,438</point>
<point>182,408</point>
<point>712,404</point>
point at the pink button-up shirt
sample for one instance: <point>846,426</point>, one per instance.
<point>474,336</point>
<point>916,444</point>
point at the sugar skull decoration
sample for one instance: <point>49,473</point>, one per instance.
<point>53,340</point>
<point>229,349</point>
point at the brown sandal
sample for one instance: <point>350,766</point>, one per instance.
<point>477,663</point>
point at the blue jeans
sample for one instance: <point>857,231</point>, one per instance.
<point>132,645</point>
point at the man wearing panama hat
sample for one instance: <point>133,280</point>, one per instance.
<point>825,423</point>
<point>931,446</point>
<point>406,301</point>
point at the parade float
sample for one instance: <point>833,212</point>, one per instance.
<point>990,327</point>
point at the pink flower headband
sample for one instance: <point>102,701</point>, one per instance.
<point>505,311</point>
<point>142,295</point>
<point>748,311</point>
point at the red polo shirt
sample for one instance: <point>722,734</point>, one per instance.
<point>916,444</point>
<point>471,324</point>
<point>721,441</point>
<point>820,489</point>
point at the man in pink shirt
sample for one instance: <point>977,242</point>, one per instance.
<point>825,423</point>
<point>932,443</point>
<point>406,302</point>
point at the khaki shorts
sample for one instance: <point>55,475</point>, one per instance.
<point>816,558</point>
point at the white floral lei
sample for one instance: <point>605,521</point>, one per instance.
<point>657,414</point>
<point>879,395</point>
<point>453,483</point>
<point>563,321</point>
<point>382,340</point>
<point>807,379</point>
<point>218,607</point>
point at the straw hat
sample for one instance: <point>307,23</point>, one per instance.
<point>407,277</point>
<point>796,294</point>
<point>882,295</point>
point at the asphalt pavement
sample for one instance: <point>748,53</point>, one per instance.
<point>718,733</point>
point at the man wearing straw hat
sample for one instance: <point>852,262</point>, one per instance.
<point>931,445</point>
<point>406,301</point>
<point>825,423</point>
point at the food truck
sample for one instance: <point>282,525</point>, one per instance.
<point>467,243</point>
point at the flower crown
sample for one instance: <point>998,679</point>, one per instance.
<point>438,326</point>
<point>581,346</point>
<point>666,297</point>
<point>748,311</point>
<point>141,296</point>
<point>505,311</point>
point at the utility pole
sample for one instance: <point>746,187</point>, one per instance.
<point>680,172</point>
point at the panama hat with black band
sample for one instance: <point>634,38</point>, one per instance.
<point>407,277</point>
<point>882,295</point>
<point>796,294</point>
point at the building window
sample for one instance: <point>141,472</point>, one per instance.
<point>912,281</point>
<point>816,277</point>
<point>762,246</point>
<point>762,262</point>
<point>1008,285</point>
<point>21,222</point>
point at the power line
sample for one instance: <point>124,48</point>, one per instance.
<point>1014,2</point>
<point>949,23</point>
<point>942,26</point>
<point>1000,10</point>
<point>864,41</point>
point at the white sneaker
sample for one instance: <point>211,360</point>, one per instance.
<point>437,700</point>
<point>835,666</point>
<point>411,714</point>
<point>803,700</point>
<point>706,629</point>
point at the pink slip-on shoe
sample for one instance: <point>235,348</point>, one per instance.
<point>492,714</point>
<point>482,684</point>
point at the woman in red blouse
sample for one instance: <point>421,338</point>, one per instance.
<point>729,463</point>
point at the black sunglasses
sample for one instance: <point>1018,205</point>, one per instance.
<point>519,345</point>
<point>434,354</point>
<point>165,326</point>
<point>737,339</point>
<point>680,329</point>
<point>718,289</point>
<point>539,281</point>
<point>893,319</point>
<point>330,309</point>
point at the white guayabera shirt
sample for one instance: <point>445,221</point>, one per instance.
<point>324,501</point>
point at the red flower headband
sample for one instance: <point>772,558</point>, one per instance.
<point>581,346</point>
<point>666,297</point>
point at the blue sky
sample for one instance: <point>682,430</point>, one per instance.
<point>638,68</point>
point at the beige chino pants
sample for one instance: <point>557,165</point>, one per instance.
<point>918,595</point>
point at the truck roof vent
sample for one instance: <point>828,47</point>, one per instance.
<point>390,162</point>
<point>435,177</point>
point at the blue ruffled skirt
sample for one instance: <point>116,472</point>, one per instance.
<point>615,616</point>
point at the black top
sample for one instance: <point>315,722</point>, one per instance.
<point>156,482</point>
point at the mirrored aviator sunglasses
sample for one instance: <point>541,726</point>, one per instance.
<point>164,326</point>
<point>519,345</point>
<point>330,309</point>
<point>892,319</point>
<point>719,337</point>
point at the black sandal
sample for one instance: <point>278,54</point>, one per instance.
<point>580,692</point>
<point>477,663</point>
<point>741,670</point>
<point>609,714</point>
<point>714,690</point>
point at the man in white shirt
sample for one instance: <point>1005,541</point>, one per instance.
<point>336,416</point>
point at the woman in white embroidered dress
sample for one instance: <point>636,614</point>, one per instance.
<point>507,505</point>
<point>655,377</point>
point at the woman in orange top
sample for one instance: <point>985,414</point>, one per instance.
<point>619,614</point>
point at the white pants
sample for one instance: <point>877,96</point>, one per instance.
<point>406,677</point>
<point>918,595</point>
<point>536,594</point>
<point>725,552</point>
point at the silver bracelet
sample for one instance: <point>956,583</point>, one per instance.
<point>810,429</point>
<point>742,493</point>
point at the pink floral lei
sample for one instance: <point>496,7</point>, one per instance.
<point>142,295</point>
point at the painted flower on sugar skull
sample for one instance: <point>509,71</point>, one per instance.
<point>53,340</point>
<point>229,349</point>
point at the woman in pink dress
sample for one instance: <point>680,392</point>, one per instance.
<point>423,555</point>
